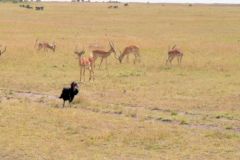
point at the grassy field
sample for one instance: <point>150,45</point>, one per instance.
<point>143,111</point>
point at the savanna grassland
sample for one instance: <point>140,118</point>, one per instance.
<point>142,111</point>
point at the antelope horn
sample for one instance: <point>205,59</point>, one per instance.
<point>117,57</point>
<point>83,49</point>
<point>115,54</point>
<point>112,43</point>
<point>109,43</point>
<point>174,46</point>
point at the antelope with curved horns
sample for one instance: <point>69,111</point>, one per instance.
<point>132,49</point>
<point>103,54</point>
<point>3,50</point>
<point>172,53</point>
<point>45,45</point>
<point>85,63</point>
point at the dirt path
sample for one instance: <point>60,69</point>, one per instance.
<point>45,98</point>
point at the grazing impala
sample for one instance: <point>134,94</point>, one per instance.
<point>45,46</point>
<point>103,54</point>
<point>85,63</point>
<point>132,49</point>
<point>174,52</point>
<point>3,50</point>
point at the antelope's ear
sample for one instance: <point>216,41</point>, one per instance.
<point>174,46</point>
<point>83,50</point>
<point>76,52</point>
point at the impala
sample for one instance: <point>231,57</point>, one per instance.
<point>85,63</point>
<point>39,8</point>
<point>103,54</point>
<point>45,46</point>
<point>3,50</point>
<point>132,49</point>
<point>174,52</point>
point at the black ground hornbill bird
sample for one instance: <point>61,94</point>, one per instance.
<point>69,93</point>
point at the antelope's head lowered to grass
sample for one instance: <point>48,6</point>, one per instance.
<point>52,46</point>
<point>132,49</point>
<point>112,47</point>
<point>2,49</point>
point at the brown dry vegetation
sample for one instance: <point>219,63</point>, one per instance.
<point>143,111</point>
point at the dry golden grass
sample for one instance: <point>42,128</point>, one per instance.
<point>143,111</point>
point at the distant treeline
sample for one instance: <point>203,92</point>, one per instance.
<point>13,1</point>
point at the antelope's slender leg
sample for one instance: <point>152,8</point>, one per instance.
<point>94,60</point>
<point>170,59</point>
<point>106,64</point>
<point>100,63</point>
<point>80,73</point>
<point>135,58</point>
<point>167,61</point>
<point>90,73</point>
<point>39,48</point>
<point>181,59</point>
<point>93,74</point>
<point>139,57</point>
<point>84,72</point>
